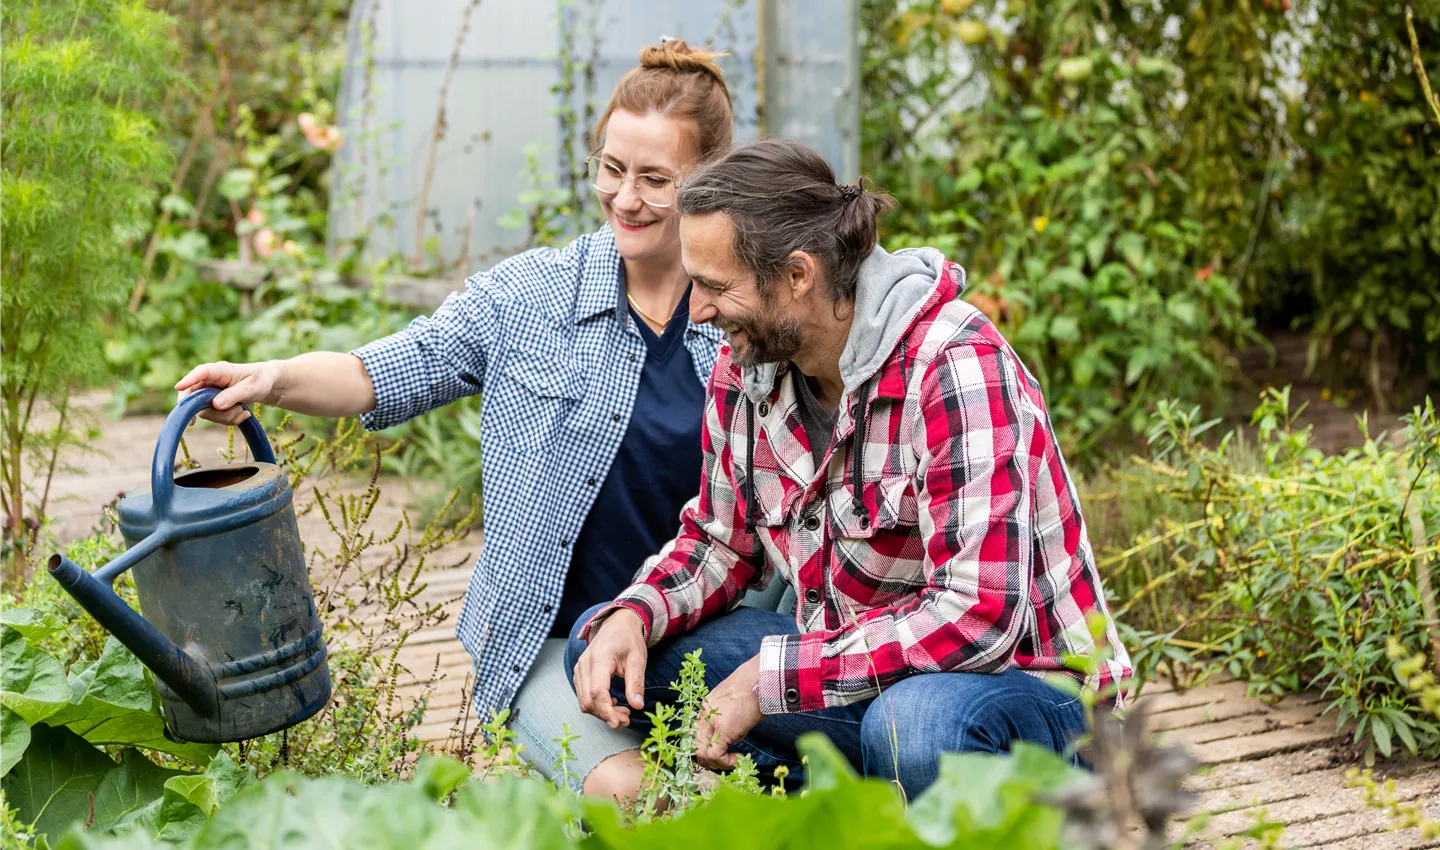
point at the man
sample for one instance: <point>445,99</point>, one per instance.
<point>874,440</point>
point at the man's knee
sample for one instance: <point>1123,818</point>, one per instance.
<point>966,712</point>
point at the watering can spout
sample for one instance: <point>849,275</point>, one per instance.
<point>188,677</point>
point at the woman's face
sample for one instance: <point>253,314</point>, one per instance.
<point>637,145</point>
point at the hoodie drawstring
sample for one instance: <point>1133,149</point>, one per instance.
<point>749,489</point>
<point>857,456</point>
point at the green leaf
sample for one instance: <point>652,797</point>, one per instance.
<point>1131,246</point>
<point>988,801</point>
<point>188,801</point>
<point>969,181</point>
<point>54,783</point>
<point>1064,329</point>
<point>1380,731</point>
<point>439,775</point>
<point>32,683</point>
<point>1135,366</point>
<point>1095,249</point>
<point>838,810</point>
<point>236,183</point>
<point>1067,277</point>
<point>131,786</point>
<point>1402,731</point>
<point>826,768</point>
<point>113,703</point>
<point>177,206</point>
<point>34,625</point>
<point>16,734</point>
<point>1182,310</point>
<point>285,809</point>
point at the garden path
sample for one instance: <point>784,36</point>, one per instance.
<point>1283,758</point>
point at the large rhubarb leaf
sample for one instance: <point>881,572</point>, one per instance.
<point>112,702</point>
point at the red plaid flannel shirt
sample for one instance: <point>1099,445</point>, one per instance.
<point>970,553</point>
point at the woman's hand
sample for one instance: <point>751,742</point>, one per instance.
<point>240,383</point>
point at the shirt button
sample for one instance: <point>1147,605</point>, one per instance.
<point>564,543</point>
<point>792,695</point>
<point>516,669</point>
<point>590,481</point>
<point>633,358</point>
<point>812,522</point>
<point>547,609</point>
<point>615,418</point>
<point>763,409</point>
<point>812,596</point>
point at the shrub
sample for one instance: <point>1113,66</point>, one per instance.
<point>1366,198</point>
<point>1297,568</point>
<point>1060,194</point>
<point>81,164</point>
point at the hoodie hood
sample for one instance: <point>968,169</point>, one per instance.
<point>892,291</point>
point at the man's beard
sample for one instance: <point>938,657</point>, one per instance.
<point>766,340</point>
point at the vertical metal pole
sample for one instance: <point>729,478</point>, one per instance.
<point>763,47</point>
<point>847,103</point>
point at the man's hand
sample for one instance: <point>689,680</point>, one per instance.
<point>617,648</point>
<point>728,715</point>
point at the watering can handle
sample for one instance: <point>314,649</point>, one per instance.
<point>162,472</point>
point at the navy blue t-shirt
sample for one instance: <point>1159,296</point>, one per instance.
<point>656,472</point>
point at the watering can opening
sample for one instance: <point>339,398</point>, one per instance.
<point>217,478</point>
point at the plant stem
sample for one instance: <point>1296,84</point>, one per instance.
<point>1430,99</point>
<point>438,132</point>
<point>54,454</point>
<point>1419,541</point>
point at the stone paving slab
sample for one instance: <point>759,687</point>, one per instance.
<point>1286,760</point>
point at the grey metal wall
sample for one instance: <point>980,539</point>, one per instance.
<point>502,104</point>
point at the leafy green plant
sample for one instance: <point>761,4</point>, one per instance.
<point>1060,194</point>
<point>1366,201</point>
<point>1286,535</point>
<point>1411,671</point>
<point>980,800</point>
<point>58,725</point>
<point>81,165</point>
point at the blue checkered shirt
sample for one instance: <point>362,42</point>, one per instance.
<point>546,337</point>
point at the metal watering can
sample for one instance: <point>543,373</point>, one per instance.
<point>230,628</point>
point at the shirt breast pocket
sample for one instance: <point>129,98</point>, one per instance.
<point>887,505</point>
<point>534,396</point>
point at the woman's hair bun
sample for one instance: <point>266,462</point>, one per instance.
<point>676,55</point>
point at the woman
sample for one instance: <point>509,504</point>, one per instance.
<point>594,383</point>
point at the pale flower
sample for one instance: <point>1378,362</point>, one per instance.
<point>265,243</point>
<point>322,136</point>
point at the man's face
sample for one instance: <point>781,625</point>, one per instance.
<point>724,294</point>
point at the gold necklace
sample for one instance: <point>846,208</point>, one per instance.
<point>646,316</point>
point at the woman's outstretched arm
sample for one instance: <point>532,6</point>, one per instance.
<point>320,383</point>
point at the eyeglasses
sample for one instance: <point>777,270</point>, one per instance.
<point>656,190</point>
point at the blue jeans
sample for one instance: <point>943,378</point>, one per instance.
<point>897,735</point>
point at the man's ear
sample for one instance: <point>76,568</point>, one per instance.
<point>802,273</point>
